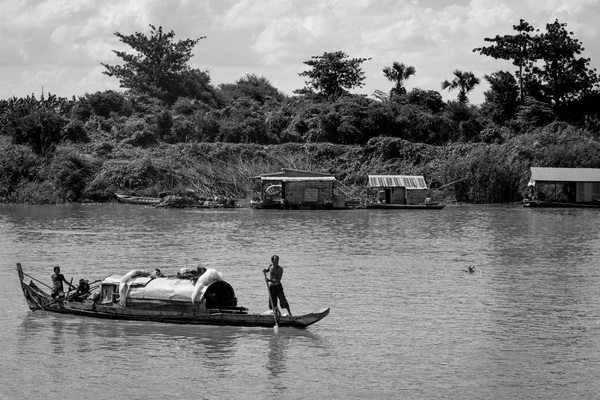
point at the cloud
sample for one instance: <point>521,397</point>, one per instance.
<point>61,43</point>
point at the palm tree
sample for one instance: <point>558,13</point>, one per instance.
<point>398,73</point>
<point>464,82</point>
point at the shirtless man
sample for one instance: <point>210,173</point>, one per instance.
<point>275,272</point>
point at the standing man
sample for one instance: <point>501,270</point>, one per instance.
<point>275,272</point>
<point>57,283</point>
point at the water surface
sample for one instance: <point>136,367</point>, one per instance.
<point>405,321</point>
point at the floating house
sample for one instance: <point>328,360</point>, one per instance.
<point>554,187</point>
<point>401,192</point>
<point>297,189</point>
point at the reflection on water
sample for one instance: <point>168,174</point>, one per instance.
<point>405,321</point>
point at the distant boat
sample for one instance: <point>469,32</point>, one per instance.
<point>423,206</point>
<point>401,192</point>
<point>293,189</point>
<point>537,203</point>
<point>584,182</point>
<point>129,199</point>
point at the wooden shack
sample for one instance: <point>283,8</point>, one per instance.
<point>297,189</point>
<point>399,189</point>
<point>563,186</point>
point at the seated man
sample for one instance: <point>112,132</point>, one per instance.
<point>156,273</point>
<point>192,274</point>
<point>197,274</point>
<point>83,290</point>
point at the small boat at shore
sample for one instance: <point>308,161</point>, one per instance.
<point>537,203</point>
<point>423,206</point>
<point>137,296</point>
<point>400,192</point>
<point>129,199</point>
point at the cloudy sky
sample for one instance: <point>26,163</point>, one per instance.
<point>57,45</point>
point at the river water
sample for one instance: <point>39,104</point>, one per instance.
<point>406,322</point>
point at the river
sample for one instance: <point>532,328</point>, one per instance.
<point>406,322</point>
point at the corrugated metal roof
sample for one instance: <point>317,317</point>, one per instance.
<point>544,174</point>
<point>407,181</point>
<point>292,173</point>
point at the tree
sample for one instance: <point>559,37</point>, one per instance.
<point>464,82</point>
<point>159,68</point>
<point>549,67</point>
<point>429,100</point>
<point>37,123</point>
<point>398,73</point>
<point>254,87</point>
<point>333,74</point>
<point>502,99</point>
<point>564,77</point>
<point>519,48</point>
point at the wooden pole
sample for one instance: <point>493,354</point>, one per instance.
<point>273,307</point>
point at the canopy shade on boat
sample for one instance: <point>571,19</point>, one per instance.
<point>547,174</point>
<point>391,181</point>
<point>298,179</point>
<point>289,175</point>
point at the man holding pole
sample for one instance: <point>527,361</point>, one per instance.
<point>57,283</point>
<point>275,272</point>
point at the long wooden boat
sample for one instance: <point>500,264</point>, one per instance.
<point>128,199</point>
<point>163,299</point>
<point>424,206</point>
<point>536,203</point>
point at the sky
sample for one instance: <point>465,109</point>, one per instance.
<point>57,46</point>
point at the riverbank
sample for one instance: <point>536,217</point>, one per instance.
<point>470,172</point>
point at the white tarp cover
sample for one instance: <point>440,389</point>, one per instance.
<point>164,288</point>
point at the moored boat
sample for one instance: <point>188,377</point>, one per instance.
<point>209,300</point>
<point>537,203</point>
<point>422,206</point>
<point>400,192</point>
<point>128,199</point>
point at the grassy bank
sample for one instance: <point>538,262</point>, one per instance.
<point>94,171</point>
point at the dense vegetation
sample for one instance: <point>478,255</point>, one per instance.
<point>170,129</point>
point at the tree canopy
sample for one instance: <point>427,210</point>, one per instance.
<point>399,73</point>
<point>257,88</point>
<point>563,75</point>
<point>464,82</point>
<point>519,48</point>
<point>160,67</point>
<point>501,100</point>
<point>550,68</point>
<point>334,74</point>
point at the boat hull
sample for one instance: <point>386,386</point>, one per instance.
<point>160,311</point>
<point>406,206</point>
<point>557,204</point>
<point>123,198</point>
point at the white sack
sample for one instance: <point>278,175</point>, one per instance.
<point>202,283</point>
<point>125,282</point>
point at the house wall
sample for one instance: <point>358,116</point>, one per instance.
<point>339,200</point>
<point>587,192</point>
<point>310,193</point>
<point>398,195</point>
<point>416,196</point>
